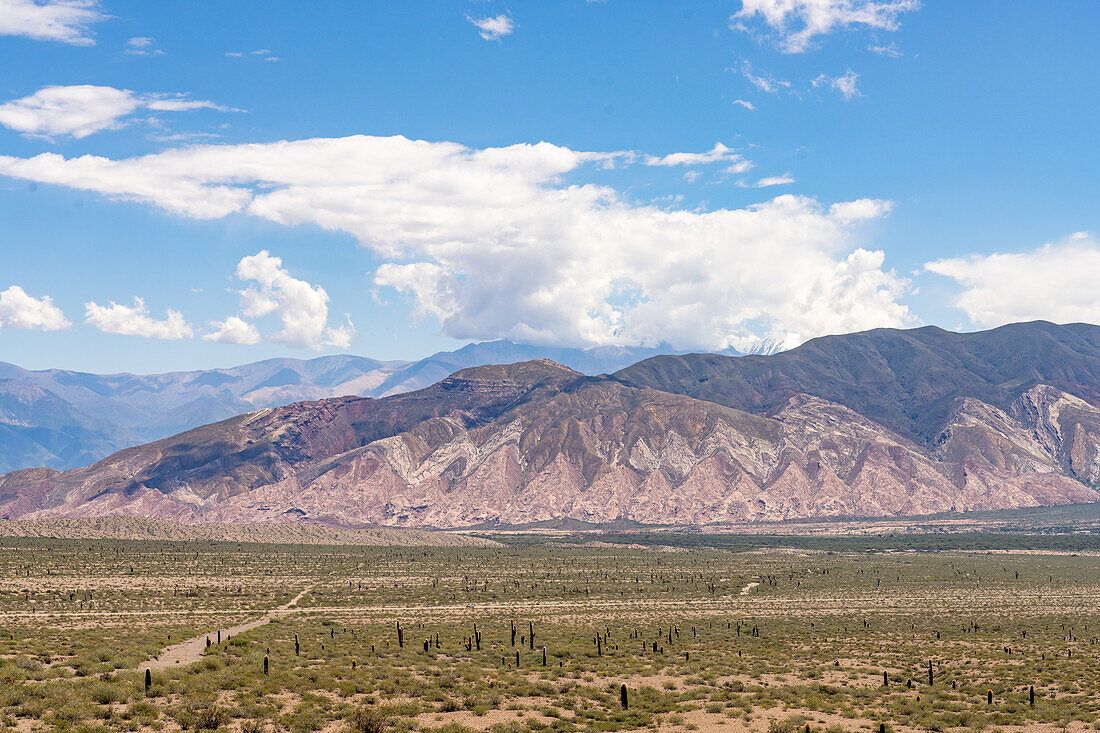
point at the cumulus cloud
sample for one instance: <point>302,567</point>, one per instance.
<point>846,84</point>
<point>497,242</point>
<point>233,330</point>
<point>79,111</point>
<point>67,21</point>
<point>1056,282</point>
<point>795,23</point>
<point>134,320</point>
<point>493,28</point>
<point>19,310</point>
<point>302,308</point>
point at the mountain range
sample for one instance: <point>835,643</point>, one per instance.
<point>64,419</point>
<point>880,423</point>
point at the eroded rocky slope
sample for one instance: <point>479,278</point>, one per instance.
<point>536,441</point>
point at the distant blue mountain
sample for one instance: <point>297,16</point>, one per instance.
<point>63,419</point>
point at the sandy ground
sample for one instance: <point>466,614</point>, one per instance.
<point>191,650</point>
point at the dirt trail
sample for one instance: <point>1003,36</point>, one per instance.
<point>191,650</point>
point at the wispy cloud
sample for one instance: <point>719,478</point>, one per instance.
<point>846,84</point>
<point>142,46</point>
<point>263,54</point>
<point>890,51</point>
<point>718,154</point>
<point>763,82</point>
<point>784,180</point>
<point>795,23</point>
<point>493,28</point>
<point>746,104</point>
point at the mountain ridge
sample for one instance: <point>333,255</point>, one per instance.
<point>130,409</point>
<point>938,424</point>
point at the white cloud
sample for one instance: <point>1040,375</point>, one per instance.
<point>890,51</point>
<point>718,154</point>
<point>493,28</point>
<point>142,46</point>
<point>19,310</point>
<point>340,337</point>
<point>263,54</point>
<point>746,104</point>
<point>79,111</point>
<point>494,243</point>
<point>180,103</point>
<point>134,320</point>
<point>303,308</point>
<point>233,330</point>
<point>67,21</point>
<point>845,84</point>
<point>765,83</point>
<point>797,22</point>
<point>784,180</point>
<point>1056,282</point>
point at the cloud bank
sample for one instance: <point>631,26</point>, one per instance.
<point>497,243</point>
<point>1055,282</point>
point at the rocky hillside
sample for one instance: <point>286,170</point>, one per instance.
<point>64,419</point>
<point>887,423</point>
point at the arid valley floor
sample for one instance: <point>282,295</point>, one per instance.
<point>712,633</point>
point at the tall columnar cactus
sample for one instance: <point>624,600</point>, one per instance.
<point>265,664</point>
<point>623,697</point>
<point>400,636</point>
<point>531,634</point>
<point>149,683</point>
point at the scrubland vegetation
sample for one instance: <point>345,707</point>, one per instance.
<point>701,635</point>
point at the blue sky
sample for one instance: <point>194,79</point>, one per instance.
<point>926,163</point>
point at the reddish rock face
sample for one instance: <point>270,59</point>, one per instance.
<point>535,441</point>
